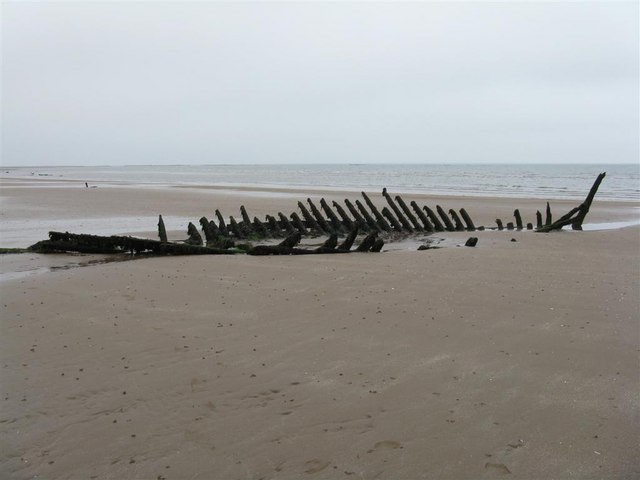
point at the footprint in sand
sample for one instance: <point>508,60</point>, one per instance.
<point>498,467</point>
<point>315,465</point>
<point>385,445</point>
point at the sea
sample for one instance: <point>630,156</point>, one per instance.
<point>549,181</point>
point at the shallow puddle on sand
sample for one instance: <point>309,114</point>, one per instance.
<point>21,265</point>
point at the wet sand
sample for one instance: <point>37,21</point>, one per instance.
<point>514,359</point>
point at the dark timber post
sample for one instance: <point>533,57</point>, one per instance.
<point>499,223</point>
<point>538,219</point>
<point>456,219</point>
<point>516,213</point>
<point>194,236</point>
<point>548,218</point>
<point>162,232</point>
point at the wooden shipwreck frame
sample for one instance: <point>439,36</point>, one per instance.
<point>227,237</point>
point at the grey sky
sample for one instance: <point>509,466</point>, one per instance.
<point>208,82</point>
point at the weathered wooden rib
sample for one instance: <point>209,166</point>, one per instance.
<point>509,225</point>
<point>286,224</point>
<point>467,220</point>
<point>359,219</point>
<point>297,223</point>
<point>246,221</point>
<point>235,228</point>
<point>346,221</point>
<point>401,218</point>
<point>367,242</point>
<point>336,224</point>
<point>538,219</point>
<point>259,228</point>
<point>409,215</point>
<point>445,219</point>
<point>397,226</point>
<point>423,218</point>
<point>292,240</point>
<point>194,236</point>
<point>348,241</point>
<point>499,223</point>
<point>382,223</point>
<point>370,221</point>
<point>331,242</point>
<point>274,228</point>
<point>434,219</point>
<point>311,222</point>
<point>456,219</point>
<point>221,225</point>
<point>319,218</point>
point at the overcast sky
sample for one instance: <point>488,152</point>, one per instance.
<point>208,82</point>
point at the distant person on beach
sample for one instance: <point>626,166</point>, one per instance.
<point>86,184</point>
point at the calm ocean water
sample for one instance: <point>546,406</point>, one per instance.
<point>537,181</point>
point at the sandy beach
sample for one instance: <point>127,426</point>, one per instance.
<point>510,359</point>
